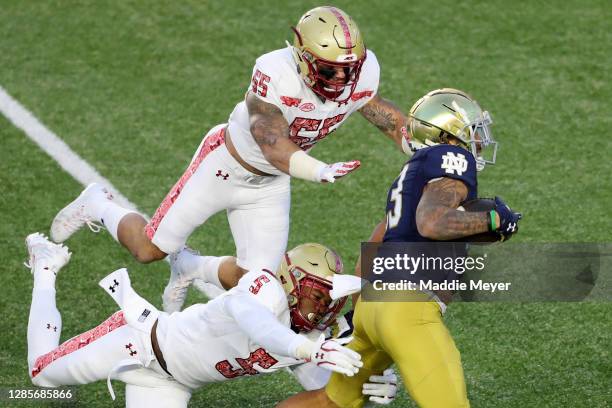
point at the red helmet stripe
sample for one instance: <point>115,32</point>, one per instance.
<point>345,29</point>
<point>268,271</point>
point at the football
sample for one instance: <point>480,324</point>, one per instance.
<point>480,205</point>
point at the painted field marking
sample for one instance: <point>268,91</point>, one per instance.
<point>55,147</point>
<point>71,162</point>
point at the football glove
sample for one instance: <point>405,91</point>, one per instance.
<point>508,219</point>
<point>332,355</point>
<point>381,388</point>
<point>332,172</point>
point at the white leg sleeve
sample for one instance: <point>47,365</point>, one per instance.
<point>44,324</point>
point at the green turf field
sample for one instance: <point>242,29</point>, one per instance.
<point>131,86</point>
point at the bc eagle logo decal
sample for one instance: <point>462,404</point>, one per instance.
<point>289,101</point>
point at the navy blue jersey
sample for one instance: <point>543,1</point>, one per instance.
<point>430,163</point>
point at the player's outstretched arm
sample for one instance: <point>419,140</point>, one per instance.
<point>437,216</point>
<point>264,329</point>
<point>271,132</point>
<point>387,117</point>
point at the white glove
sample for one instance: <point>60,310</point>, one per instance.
<point>331,172</point>
<point>381,388</point>
<point>331,355</point>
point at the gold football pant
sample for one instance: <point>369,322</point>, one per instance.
<point>413,336</point>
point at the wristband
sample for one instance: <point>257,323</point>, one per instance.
<point>301,347</point>
<point>492,226</point>
<point>304,166</point>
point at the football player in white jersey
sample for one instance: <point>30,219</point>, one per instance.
<point>297,96</point>
<point>163,357</point>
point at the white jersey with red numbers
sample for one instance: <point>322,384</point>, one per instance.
<point>203,343</point>
<point>276,81</point>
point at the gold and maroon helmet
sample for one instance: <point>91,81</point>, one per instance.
<point>304,268</point>
<point>326,38</point>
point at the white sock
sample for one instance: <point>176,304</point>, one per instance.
<point>110,215</point>
<point>44,323</point>
<point>203,267</point>
<point>44,279</point>
<point>208,269</point>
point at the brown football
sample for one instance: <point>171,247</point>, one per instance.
<point>480,205</point>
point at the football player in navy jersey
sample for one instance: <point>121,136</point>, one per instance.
<point>453,138</point>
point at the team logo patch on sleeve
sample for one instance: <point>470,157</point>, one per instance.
<point>307,107</point>
<point>289,101</point>
<point>454,164</point>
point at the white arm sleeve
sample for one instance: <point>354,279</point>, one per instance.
<point>311,376</point>
<point>262,326</point>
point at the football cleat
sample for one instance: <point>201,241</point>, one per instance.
<point>78,213</point>
<point>182,275</point>
<point>44,254</point>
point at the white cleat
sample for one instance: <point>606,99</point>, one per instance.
<point>182,274</point>
<point>45,254</point>
<point>78,213</point>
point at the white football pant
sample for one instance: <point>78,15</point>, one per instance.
<point>257,206</point>
<point>111,350</point>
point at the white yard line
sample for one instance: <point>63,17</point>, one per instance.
<point>55,147</point>
<point>74,165</point>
